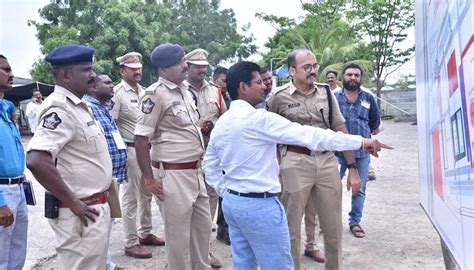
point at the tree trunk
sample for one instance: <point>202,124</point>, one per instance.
<point>378,92</point>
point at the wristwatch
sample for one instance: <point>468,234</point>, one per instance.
<point>352,166</point>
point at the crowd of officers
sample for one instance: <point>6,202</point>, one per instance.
<point>162,131</point>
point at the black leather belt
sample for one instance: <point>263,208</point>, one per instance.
<point>253,194</point>
<point>12,180</point>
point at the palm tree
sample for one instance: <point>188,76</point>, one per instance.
<point>332,47</point>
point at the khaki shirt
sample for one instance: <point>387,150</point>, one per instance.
<point>290,103</point>
<point>67,130</point>
<point>210,104</point>
<point>169,117</point>
<point>124,109</point>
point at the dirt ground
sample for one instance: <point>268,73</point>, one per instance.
<point>399,234</point>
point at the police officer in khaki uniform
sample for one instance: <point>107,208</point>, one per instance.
<point>136,199</point>
<point>208,101</point>
<point>169,119</point>
<point>68,155</point>
<point>306,173</point>
<point>210,104</point>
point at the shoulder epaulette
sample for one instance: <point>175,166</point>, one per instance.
<point>321,84</point>
<point>118,87</point>
<point>55,101</point>
<point>279,89</point>
<point>152,88</point>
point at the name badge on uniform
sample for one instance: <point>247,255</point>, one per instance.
<point>134,101</point>
<point>365,104</point>
<point>294,105</point>
<point>118,140</point>
<point>90,123</point>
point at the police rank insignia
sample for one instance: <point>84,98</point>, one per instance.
<point>147,106</point>
<point>51,121</point>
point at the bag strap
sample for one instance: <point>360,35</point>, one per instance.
<point>328,93</point>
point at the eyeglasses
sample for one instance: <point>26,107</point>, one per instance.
<point>259,82</point>
<point>308,67</point>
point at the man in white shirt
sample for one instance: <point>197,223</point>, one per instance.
<point>331,80</point>
<point>33,109</point>
<point>241,165</point>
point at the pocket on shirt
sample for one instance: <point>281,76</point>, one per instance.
<point>91,135</point>
<point>363,113</point>
<point>180,115</point>
<point>213,109</point>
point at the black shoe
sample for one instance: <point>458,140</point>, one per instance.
<point>223,238</point>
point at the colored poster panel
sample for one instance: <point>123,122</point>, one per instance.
<point>445,112</point>
<point>452,74</point>
<point>438,177</point>
<point>467,58</point>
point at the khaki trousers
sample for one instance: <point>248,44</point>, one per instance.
<point>316,176</point>
<point>311,225</point>
<point>81,247</point>
<point>187,218</point>
<point>135,200</point>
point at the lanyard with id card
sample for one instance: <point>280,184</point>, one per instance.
<point>118,140</point>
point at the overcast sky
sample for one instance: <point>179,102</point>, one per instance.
<point>19,44</point>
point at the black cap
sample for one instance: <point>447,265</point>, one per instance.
<point>166,55</point>
<point>70,54</point>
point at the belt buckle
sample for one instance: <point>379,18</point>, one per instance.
<point>9,181</point>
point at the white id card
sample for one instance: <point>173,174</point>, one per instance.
<point>365,104</point>
<point>118,140</point>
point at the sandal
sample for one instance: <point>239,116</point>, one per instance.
<point>357,231</point>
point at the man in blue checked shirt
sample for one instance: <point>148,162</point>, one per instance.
<point>99,94</point>
<point>362,115</point>
<point>13,210</point>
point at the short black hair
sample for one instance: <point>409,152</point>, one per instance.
<point>3,57</point>
<point>263,71</point>
<point>291,60</point>
<point>240,72</point>
<point>333,72</point>
<point>353,65</point>
<point>35,90</point>
<point>101,72</point>
<point>218,71</point>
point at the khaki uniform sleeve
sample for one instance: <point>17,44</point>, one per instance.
<point>272,104</point>
<point>151,112</point>
<point>56,128</point>
<point>116,105</point>
<point>338,118</point>
<point>222,101</point>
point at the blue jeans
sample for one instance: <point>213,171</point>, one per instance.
<point>13,237</point>
<point>355,215</point>
<point>258,231</point>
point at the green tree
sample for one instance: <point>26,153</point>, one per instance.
<point>200,24</point>
<point>384,23</point>
<point>324,31</point>
<point>114,27</point>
